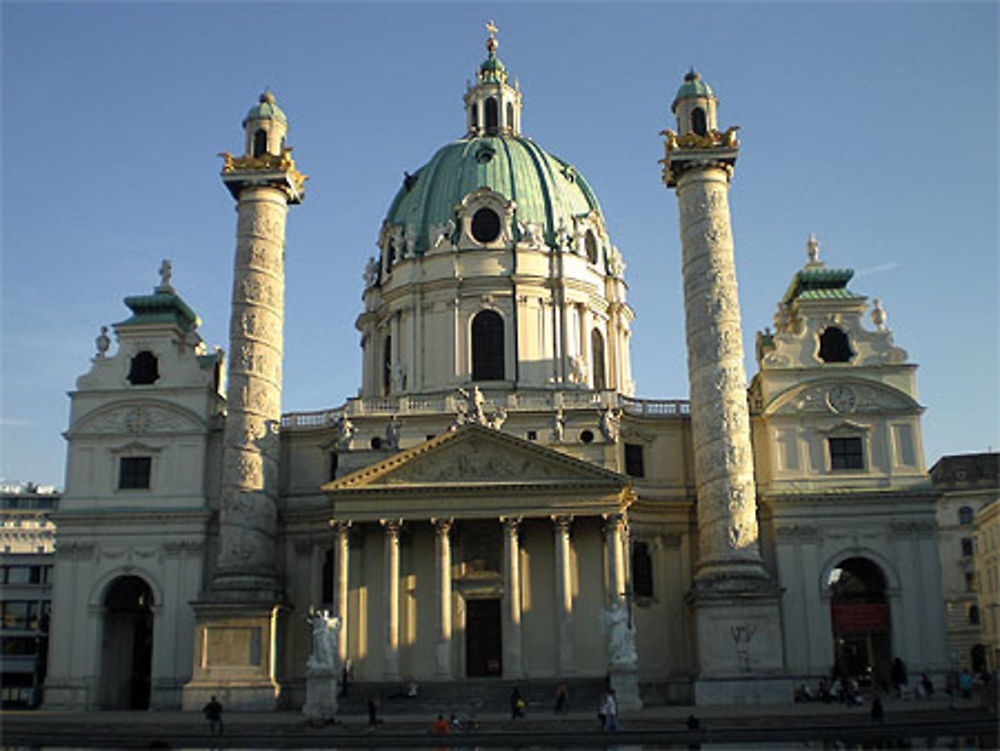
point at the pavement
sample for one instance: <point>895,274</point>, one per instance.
<point>937,720</point>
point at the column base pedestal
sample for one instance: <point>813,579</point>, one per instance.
<point>235,657</point>
<point>321,695</point>
<point>740,646</point>
<point>625,682</point>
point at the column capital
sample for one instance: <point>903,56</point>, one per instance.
<point>511,524</point>
<point>442,526</point>
<point>613,522</point>
<point>341,526</point>
<point>562,522</point>
<point>391,526</point>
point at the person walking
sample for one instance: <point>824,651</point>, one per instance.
<point>372,711</point>
<point>610,711</point>
<point>517,704</point>
<point>562,698</point>
<point>878,712</point>
<point>213,713</point>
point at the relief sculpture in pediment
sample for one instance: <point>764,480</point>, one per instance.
<point>473,461</point>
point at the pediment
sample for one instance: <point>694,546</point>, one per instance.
<point>473,456</point>
<point>138,418</point>
<point>842,396</point>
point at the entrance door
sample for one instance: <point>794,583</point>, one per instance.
<point>128,644</point>
<point>482,638</point>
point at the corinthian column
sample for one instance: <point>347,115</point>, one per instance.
<point>613,544</point>
<point>442,570</point>
<point>390,600</point>
<point>512,660</point>
<point>342,553</point>
<point>564,593</point>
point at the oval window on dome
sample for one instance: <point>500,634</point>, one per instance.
<point>485,226</point>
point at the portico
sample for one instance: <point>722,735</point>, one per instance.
<point>480,531</point>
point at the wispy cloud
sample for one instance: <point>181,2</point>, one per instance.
<point>15,422</point>
<point>877,269</point>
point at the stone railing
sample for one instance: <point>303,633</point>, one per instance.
<point>517,401</point>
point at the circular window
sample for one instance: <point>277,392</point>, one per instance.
<point>485,226</point>
<point>586,436</point>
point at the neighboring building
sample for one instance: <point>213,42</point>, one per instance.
<point>987,564</point>
<point>27,538</point>
<point>967,484</point>
<point>496,503</point>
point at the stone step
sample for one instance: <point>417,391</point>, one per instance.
<point>470,696</point>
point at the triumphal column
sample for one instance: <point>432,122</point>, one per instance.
<point>735,605</point>
<point>238,616</point>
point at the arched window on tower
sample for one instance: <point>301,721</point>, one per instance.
<point>260,142</point>
<point>492,116</point>
<point>510,116</point>
<point>487,346</point>
<point>387,366</point>
<point>473,117</point>
<point>698,122</point>
<point>597,355</point>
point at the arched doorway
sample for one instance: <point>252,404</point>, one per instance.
<point>859,609</point>
<point>127,649</point>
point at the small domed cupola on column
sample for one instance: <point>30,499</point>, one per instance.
<point>265,126</point>
<point>694,106</point>
<point>492,107</point>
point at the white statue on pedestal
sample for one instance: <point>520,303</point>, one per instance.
<point>322,667</point>
<point>621,636</point>
<point>325,630</point>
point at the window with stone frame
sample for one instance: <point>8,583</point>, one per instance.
<point>134,472</point>
<point>966,547</point>
<point>965,515</point>
<point>487,346</point>
<point>846,453</point>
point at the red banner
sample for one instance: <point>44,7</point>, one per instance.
<point>859,619</point>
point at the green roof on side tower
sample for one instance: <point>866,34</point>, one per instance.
<point>817,282</point>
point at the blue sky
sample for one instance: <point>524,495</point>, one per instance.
<point>872,125</point>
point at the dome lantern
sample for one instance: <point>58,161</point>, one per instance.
<point>492,106</point>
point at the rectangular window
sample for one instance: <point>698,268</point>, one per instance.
<point>966,546</point>
<point>846,453</point>
<point>634,466</point>
<point>134,472</point>
<point>20,615</point>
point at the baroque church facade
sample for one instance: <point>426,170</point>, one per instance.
<point>496,502</point>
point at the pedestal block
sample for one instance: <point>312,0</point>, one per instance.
<point>235,658</point>
<point>321,694</point>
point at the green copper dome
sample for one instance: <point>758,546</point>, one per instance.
<point>266,109</point>
<point>547,191</point>
<point>693,86</point>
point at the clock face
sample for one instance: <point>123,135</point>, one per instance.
<point>841,399</point>
<point>136,420</point>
